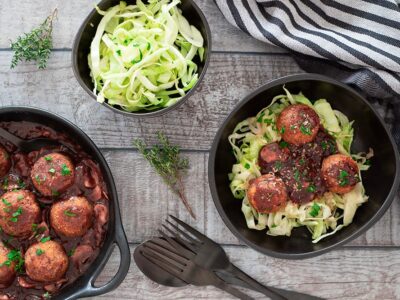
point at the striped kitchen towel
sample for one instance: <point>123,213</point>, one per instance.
<point>357,41</point>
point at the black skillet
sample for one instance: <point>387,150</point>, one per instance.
<point>84,285</point>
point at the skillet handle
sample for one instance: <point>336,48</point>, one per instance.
<point>90,290</point>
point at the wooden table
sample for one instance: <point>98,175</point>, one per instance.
<point>367,268</point>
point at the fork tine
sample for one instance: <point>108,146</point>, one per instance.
<point>189,228</point>
<point>184,251</point>
<point>179,239</point>
<point>162,265</point>
<point>166,246</point>
<point>169,256</point>
<point>185,234</point>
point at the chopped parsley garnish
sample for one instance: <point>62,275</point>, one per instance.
<point>302,161</point>
<point>5,183</point>
<point>268,121</point>
<point>55,193</point>
<point>273,226</point>
<point>311,188</point>
<point>118,52</point>
<point>315,208</point>
<point>48,158</point>
<point>20,197</point>
<point>65,170</point>
<point>367,162</point>
<point>260,118</point>
<point>324,145</point>
<point>305,130</point>
<point>52,171</point>
<point>283,144</point>
<point>343,178</point>
<point>148,46</point>
<point>14,256</point>
<point>16,214</point>
<point>45,239</point>
<point>5,202</point>
<point>71,252</point>
<point>69,213</point>
<point>46,295</point>
<point>21,184</point>
<point>39,252</point>
<point>278,165</point>
<point>282,131</point>
<point>293,127</point>
<point>297,175</point>
<point>38,180</point>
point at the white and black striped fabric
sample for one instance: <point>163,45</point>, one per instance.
<point>355,41</point>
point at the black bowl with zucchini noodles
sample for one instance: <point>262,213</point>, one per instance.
<point>301,165</point>
<point>295,167</point>
<point>142,57</point>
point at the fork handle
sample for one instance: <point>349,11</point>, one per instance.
<point>222,285</point>
<point>273,294</point>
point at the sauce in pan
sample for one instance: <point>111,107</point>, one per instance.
<point>65,244</point>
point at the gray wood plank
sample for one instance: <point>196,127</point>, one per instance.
<point>340,274</point>
<point>16,19</point>
<point>193,125</point>
<point>146,202</point>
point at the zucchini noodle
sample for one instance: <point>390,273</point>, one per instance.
<point>142,56</point>
<point>333,211</point>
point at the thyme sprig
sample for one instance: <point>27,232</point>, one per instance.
<point>166,160</point>
<point>35,45</point>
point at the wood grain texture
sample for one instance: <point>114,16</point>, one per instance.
<point>340,274</point>
<point>72,13</point>
<point>192,126</point>
<point>146,202</point>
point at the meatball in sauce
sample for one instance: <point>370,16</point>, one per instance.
<point>46,262</point>
<point>52,174</point>
<point>5,162</point>
<point>72,217</point>
<point>7,267</point>
<point>340,173</point>
<point>18,212</point>
<point>267,194</point>
<point>298,124</point>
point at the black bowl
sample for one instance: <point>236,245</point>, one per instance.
<point>84,37</point>
<point>381,181</point>
<point>84,285</point>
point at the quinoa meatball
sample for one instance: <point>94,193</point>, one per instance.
<point>267,193</point>
<point>298,124</point>
<point>72,217</point>
<point>7,271</point>
<point>46,262</point>
<point>340,173</point>
<point>271,154</point>
<point>5,162</point>
<point>18,212</point>
<point>52,174</point>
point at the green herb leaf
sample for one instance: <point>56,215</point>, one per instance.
<point>39,252</point>
<point>315,208</point>
<point>45,239</point>
<point>283,144</point>
<point>69,213</point>
<point>247,166</point>
<point>282,131</point>
<point>52,171</point>
<point>35,45</point>
<point>167,162</point>
<point>48,158</point>
<point>20,197</point>
<point>343,178</point>
<point>65,171</point>
<point>305,130</point>
<point>16,257</point>
<point>278,165</point>
<point>311,188</point>
<point>4,200</point>
<point>71,252</point>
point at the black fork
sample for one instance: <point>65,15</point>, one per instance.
<point>206,253</point>
<point>172,262</point>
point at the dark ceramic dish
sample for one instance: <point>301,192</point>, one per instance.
<point>381,181</point>
<point>84,37</point>
<point>84,285</point>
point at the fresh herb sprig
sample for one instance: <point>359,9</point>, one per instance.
<point>35,45</point>
<point>166,160</point>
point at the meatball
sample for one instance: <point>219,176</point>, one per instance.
<point>18,212</point>
<point>267,193</point>
<point>5,162</point>
<point>46,262</point>
<point>298,124</point>
<point>52,174</point>
<point>340,173</point>
<point>7,271</point>
<point>72,217</point>
<point>270,155</point>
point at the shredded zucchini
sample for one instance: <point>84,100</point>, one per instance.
<point>142,56</point>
